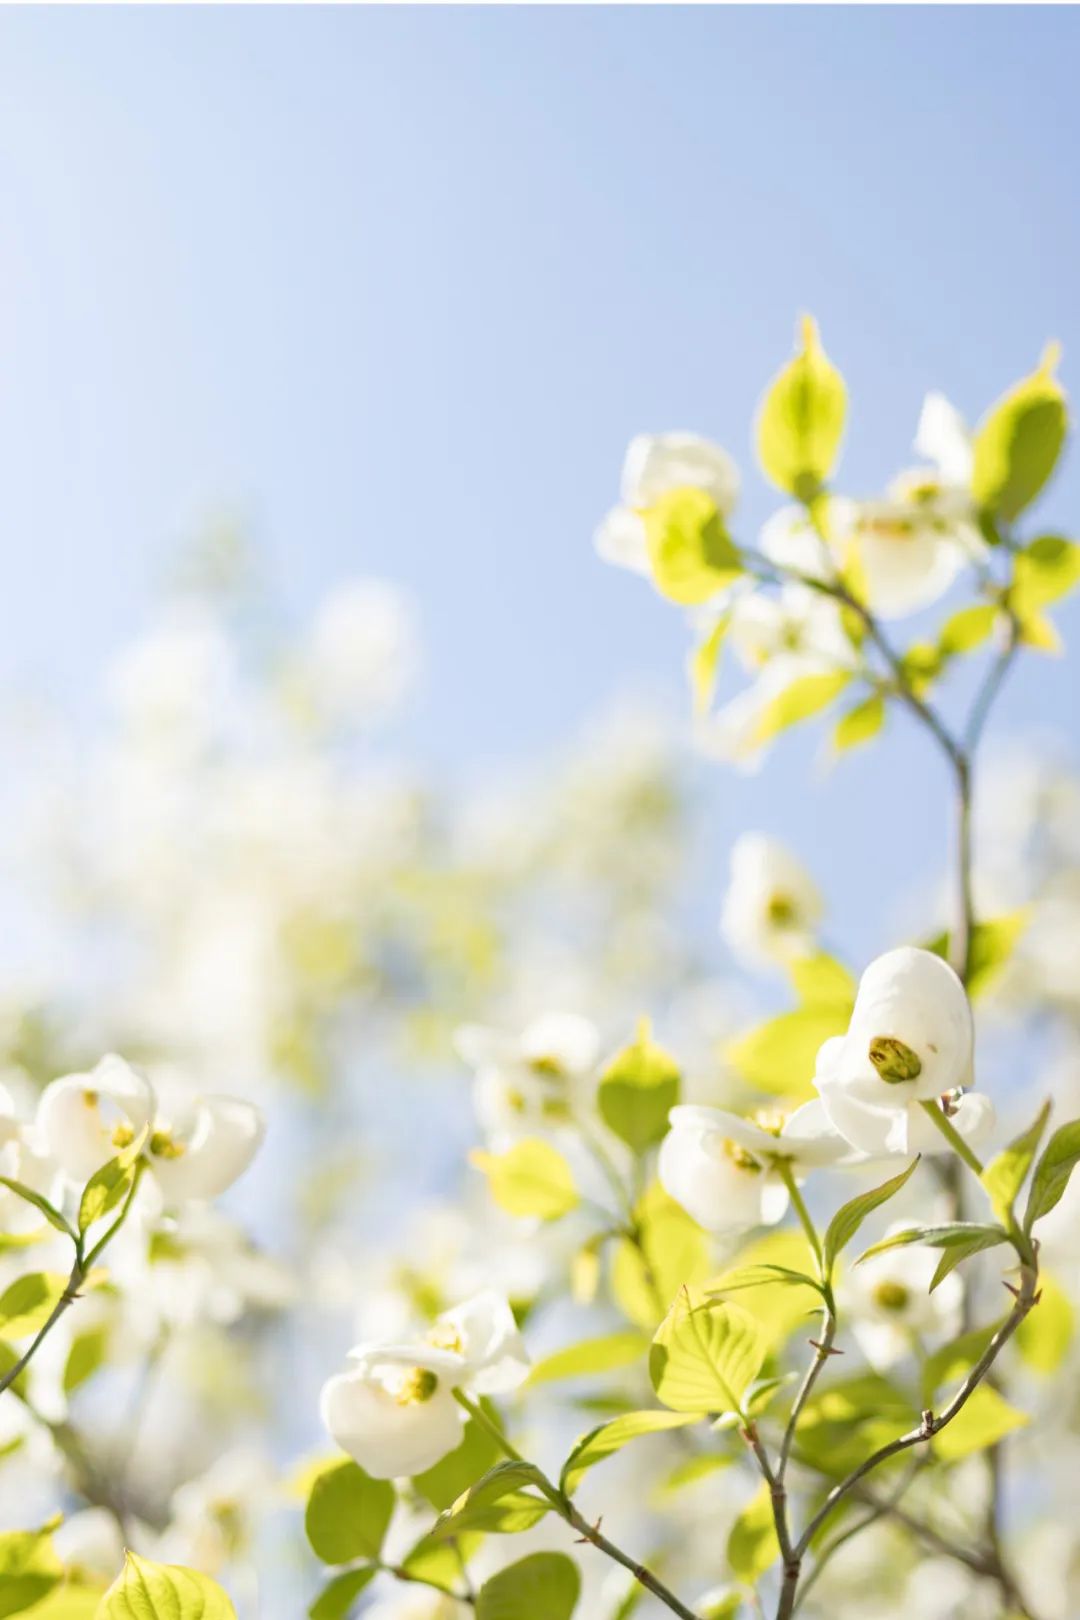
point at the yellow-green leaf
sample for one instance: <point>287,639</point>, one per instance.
<point>28,1302</point>
<point>1005,1175</point>
<point>1018,443</point>
<point>546,1584</point>
<point>779,1056</point>
<point>985,1418</point>
<point>705,1357</point>
<point>604,1354</point>
<point>531,1178</point>
<point>691,555</point>
<point>1044,572</point>
<point>968,629</point>
<point>821,981</point>
<point>1044,1336</point>
<point>801,699</point>
<point>146,1591</point>
<point>671,1252</point>
<point>609,1438</point>
<point>752,1545</point>
<point>637,1091</point>
<point>347,1514</point>
<point>704,663</point>
<point>801,420</point>
<point>859,724</point>
<point>29,1568</point>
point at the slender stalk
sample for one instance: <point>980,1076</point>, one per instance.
<point>566,1509</point>
<point>67,1298</point>
<point>949,1131</point>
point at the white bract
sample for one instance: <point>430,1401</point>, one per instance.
<point>724,1169</point>
<point>526,1082</point>
<point>22,1159</point>
<point>655,464</point>
<point>891,1305</point>
<point>394,1409</point>
<point>910,1040</point>
<point>772,906</point>
<point>196,1147</point>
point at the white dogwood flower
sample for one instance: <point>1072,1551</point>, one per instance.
<point>910,1040</point>
<point>723,1169</point>
<point>196,1146</point>
<point>655,464</point>
<point>772,905</point>
<point>394,1409</point>
<point>22,1159</point>
<point>526,1082</point>
<point>890,1304</point>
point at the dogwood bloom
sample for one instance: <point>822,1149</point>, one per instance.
<point>394,1410</point>
<point>772,905</point>
<point>655,464</point>
<point>196,1146</point>
<point>525,1082</point>
<point>22,1159</point>
<point>890,1304</point>
<point>724,1170</point>
<point>910,1040</point>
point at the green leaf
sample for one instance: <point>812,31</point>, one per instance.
<point>985,1418</point>
<point>88,1352</point>
<point>440,1561</point>
<point>28,1302</point>
<point>821,981</point>
<point>992,944</point>
<point>1044,572</point>
<point>801,421</point>
<point>50,1212</point>
<point>694,1469</point>
<point>609,1438</point>
<point>443,1484</point>
<point>772,1279</point>
<point>1051,1176</point>
<point>335,1600</point>
<point>968,629</point>
<point>1005,1175</point>
<point>967,1237</point>
<point>1018,443</point>
<point>752,1546</point>
<point>146,1591</point>
<point>849,1217</point>
<point>801,699</point>
<point>691,554</point>
<point>637,1091</point>
<point>859,724</point>
<point>703,664</point>
<point>531,1178</point>
<point>955,1360</point>
<point>591,1356</point>
<point>542,1587</point>
<point>705,1357</point>
<point>497,1502</point>
<point>671,1251</point>
<point>780,1056</point>
<point>1044,1336</point>
<point>110,1185</point>
<point>29,1569</point>
<point>347,1514</point>
<point>844,1422</point>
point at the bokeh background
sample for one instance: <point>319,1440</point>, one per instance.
<point>294,298</point>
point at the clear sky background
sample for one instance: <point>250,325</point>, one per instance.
<point>400,284</point>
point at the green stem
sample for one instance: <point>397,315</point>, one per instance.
<point>949,1131</point>
<point>787,1176</point>
<point>564,1507</point>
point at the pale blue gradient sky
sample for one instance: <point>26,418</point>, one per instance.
<point>401,283</point>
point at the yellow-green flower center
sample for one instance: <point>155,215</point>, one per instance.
<point>892,1296</point>
<point>417,1386</point>
<point>740,1157</point>
<point>894,1061</point>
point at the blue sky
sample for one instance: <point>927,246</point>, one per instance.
<point>399,285</point>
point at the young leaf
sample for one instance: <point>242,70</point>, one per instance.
<point>531,1178</point>
<point>704,663</point>
<point>705,1357</point>
<point>591,1356</point>
<point>546,1584</point>
<point>336,1600</point>
<point>968,1236</point>
<point>801,699</point>
<point>110,1185</point>
<point>671,1251</point>
<point>50,1212</point>
<point>146,1591</point>
<point>609,1438</point>
<point>29,1569</point>
<point>497,1502</point>
<point>1018,443</point>
<point>443,1484</point>
<point>1005,1175</point>
<point>752,1546</point>
<point>1044,1336</point>
<point>801,420</point>
<point>859,724</point>
<point>28,1302</point>
<point>637,1091</point>
<point>968,629</point>
<point>348,1514</point>
<point>985,1418</point>
<point>849,1217</point>
<point>821,981</point>
<point>1051,1176</point>
<point>691,554</point>
<point>1044,572</point>
<point>779,1056</point>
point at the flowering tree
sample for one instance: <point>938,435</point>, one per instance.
<point>775,1282</point>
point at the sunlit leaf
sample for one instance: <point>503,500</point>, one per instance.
<point>546,1584</point>
<point>348,1514</point>
<point>146,1591</point>
<point>752,1546</point>
<point>1018,443</point>
<point>637,1091</point>
<point>530,1178</point>
<point>801,420</point>
<point>705,1357</point>
<point>691,555</point>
